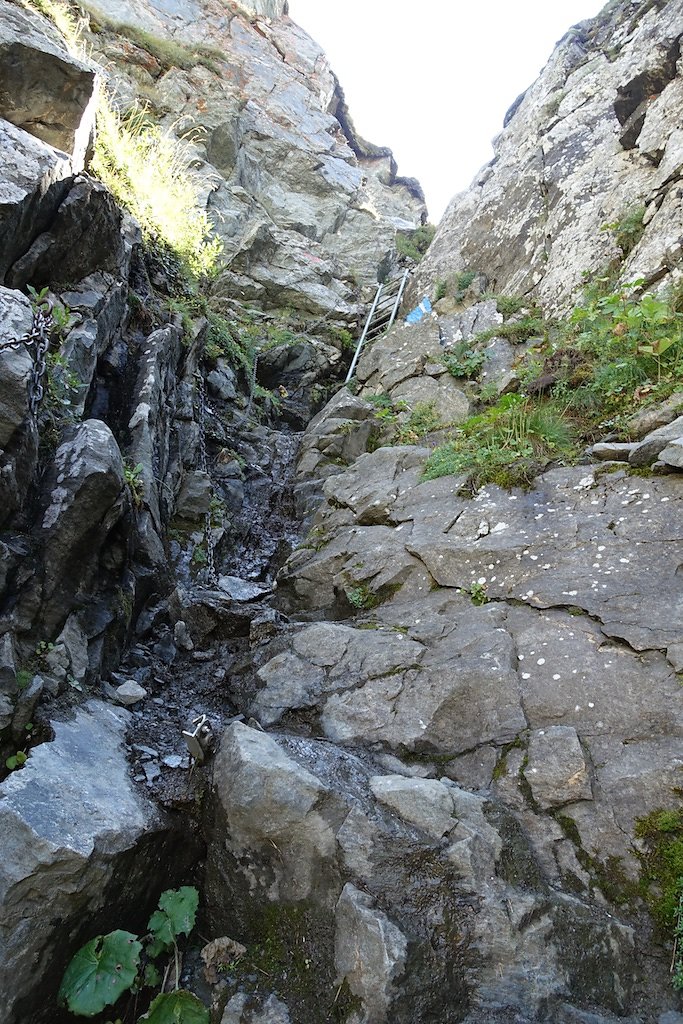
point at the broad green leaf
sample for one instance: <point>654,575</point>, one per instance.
<point>161,930</point>
<point>663,344</point>
<point>100,973</point>
<point>176,1008</point>
<point>181,907</point>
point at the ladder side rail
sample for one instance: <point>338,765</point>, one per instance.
<point>363,335</point>
<point>397,304</point>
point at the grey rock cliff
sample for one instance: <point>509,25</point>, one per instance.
<point>441,713</point>
<point>594,138</point>
<point>306,210</point>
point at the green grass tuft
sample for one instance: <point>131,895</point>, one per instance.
<point>148,172</point>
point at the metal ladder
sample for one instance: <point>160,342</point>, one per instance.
<point>382,314</point>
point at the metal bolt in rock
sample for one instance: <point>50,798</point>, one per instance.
<point>200,739</point>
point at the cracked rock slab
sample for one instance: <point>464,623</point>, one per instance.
<point>557,771</point>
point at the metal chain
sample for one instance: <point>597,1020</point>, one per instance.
<point>37,341</point>
<point>204,466</point>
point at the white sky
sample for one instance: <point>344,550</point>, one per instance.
<point>432,79</point>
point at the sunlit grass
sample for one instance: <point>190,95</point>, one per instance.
<point>148,172</point>
<point>147,169</point>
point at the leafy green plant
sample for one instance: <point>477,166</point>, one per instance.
<point>176,1008</point>
<point>478,594</point>
<point>360,596</point>
<point>100,972</point>
<point>110,965</point>
<point>462,360</point>
<point>24,677</point>
<point>133,477</point>
<point>17,760</point>
<point>440,290</point>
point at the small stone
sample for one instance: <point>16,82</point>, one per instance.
<point>556,770</point>
<point>611,451</point>
<point>202,656</point>
<point>130,693</point>
<point>182,636</point>
<point>152,772</point>
<point>150,751</point>
<point>173,760</point>
<point>673,454</point>
<point>656,442</point>
<point>241,590</point>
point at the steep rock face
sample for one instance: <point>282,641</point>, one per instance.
<point>524,645</point>
<point>306,210</point>
<point>595,138</point>
<point>468,697</point>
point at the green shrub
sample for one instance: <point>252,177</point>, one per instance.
<point>423,419</point>
<point>628,230</point>
<point>462,360</point>
<point>414,244</point>
<point>517,331</point>
<point>462,282</point>
<point>508,305</point>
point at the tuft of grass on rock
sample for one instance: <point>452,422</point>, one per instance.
<point>148,172</point>
<point>508,445</point>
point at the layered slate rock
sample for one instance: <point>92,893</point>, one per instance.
<point>34,183</point>
<point>16,319</point>
<point>595,138</point>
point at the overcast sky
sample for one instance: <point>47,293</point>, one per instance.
<point>433,79</point>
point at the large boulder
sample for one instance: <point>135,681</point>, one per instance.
<point>43,88</point>
<point>34,182</point>
<point>76,837</point>
<point>85,496</point>
<point>16,320</point>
